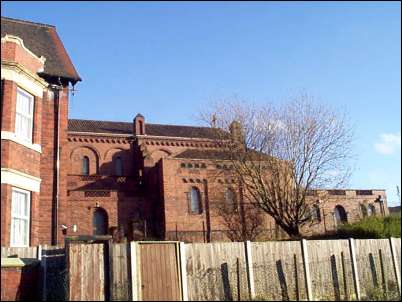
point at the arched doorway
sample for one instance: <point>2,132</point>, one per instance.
<point>340,215</point>
<point>371,210</point>
<point>100,222</point>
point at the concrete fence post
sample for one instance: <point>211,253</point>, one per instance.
<point>183,271</point>
<point>354,268</point>
<point>43,263</point>
<point>39,252</point>
<point>249,268</point>
<point>395,263</point>
<point>306,269</point>
<point>134,271</point>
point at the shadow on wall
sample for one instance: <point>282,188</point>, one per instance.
<point>118,185</point>
<point>28,287</point>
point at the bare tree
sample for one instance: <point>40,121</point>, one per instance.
<point>241,221</point>
<point>281,154</point>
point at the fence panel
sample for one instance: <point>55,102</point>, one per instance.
<point>119,263</point>
<point>369,265</point>
<point>86,272</point>
<point>212,272</point>
<point>21,252</point>
<point>397,243</point>
<point>278,270</point>
<point>159,271</point>
<point>330,269</point>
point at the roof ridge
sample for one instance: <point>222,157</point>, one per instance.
<point>28,22</point>
<point>85,120</point>
<point>153,124</point>
<point>177,125</point>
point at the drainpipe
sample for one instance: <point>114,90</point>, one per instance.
<point>57,89</point>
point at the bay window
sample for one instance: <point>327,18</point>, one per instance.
<point>24,115</point>
<point>20,217</point>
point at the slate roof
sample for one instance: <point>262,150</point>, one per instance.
<point>94,126</point>
<point>100,126</point>
<point>219,154</point>
<point>204,154</point>
<point>43,40</point>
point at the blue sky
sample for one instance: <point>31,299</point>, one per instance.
<point>168,60</point>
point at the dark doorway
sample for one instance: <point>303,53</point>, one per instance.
<point>340,215</point>
<point>100,222</point>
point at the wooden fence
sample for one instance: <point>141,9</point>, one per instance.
<point>21,252</point>
<point>120,271</point>
<point>293,270</point>
<point>282,270</point>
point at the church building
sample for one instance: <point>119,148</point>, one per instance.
<point>63,177</point>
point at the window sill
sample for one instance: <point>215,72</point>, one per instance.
<point>6,135</point>
<point>195,214</point>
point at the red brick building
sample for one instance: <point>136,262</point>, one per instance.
<point>69,177</point>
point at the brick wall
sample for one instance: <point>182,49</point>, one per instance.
<point>14,52</point>
<point>16,156</point>
<point>119,196</point>
<point>9,106</point>
<point>212,183</point>
<point>48,165</point>
<point>20,283</point>
<point>5,214</point>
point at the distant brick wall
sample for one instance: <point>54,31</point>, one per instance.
<point>20,283</point>
<point>177,181</point>
<point>101,151</point>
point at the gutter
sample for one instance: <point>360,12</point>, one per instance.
<point>56,193</point>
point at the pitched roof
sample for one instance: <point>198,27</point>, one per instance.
<point>220,154</point>
<point>204,154</point>
<point>93,126</point>
<point>100,126</point>
<point>43,40</point>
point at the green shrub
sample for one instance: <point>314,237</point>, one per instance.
<point>372,227</point>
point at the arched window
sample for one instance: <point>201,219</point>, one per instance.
<point>364,210</point>
<point>371,210</point>
<point>230,198</point>
<point>316,212</point>
<point>85,166</point>
<point>340,215</point>
<point>195,201</point>
<point>118,166</point>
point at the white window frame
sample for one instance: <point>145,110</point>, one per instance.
<point>29,116</point>
<point>27,218</point>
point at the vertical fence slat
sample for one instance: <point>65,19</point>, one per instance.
<point>134,272</point>
<point>395,264</point>
<point>306,269</point>
<point>354,268</point>
<point>249,268</point>
<point>183,271</point>
<point>383,273</point>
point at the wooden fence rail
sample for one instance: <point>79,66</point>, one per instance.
<point>281,270</point>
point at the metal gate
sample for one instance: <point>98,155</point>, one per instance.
<point>158,274</point>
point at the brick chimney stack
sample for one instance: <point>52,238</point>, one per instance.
<point>139,125</point>
<point>236,132</point>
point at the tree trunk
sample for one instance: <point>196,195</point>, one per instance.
<point>292,230</point>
